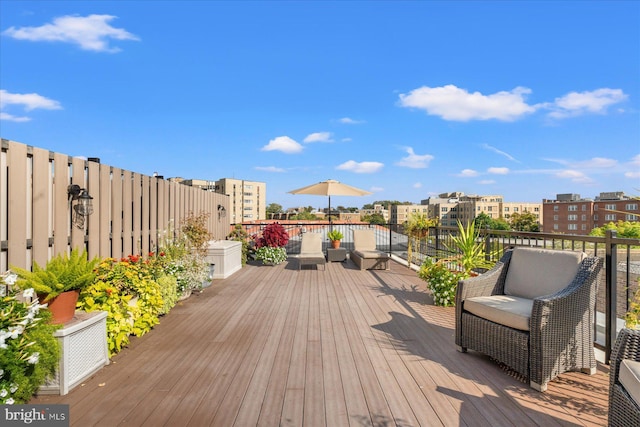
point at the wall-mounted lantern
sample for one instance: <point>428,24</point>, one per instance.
<point>222,212</point>
<point>83,207</point>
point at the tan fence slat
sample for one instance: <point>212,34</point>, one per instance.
<point>17,206</point>
<point>144,226</point>
<point>41,197</point>
<point>62,217</point>
<point>116,213</point>
<point>78,177</point>
<point>104,213</point>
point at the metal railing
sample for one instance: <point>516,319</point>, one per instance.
<point>619,275</point>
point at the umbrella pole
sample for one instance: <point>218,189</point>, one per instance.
<point>330,223</point>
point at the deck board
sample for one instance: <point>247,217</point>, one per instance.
<point>272,345</point>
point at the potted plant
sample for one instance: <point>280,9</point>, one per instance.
<point>417,228</point>
<point>335,236</point>
<point>270,247</point>
<point>60,282</point>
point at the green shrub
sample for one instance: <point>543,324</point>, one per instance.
<point>62,273</point>
<point>169,291</point>
<point>441,281</point>
<point>29,353</point>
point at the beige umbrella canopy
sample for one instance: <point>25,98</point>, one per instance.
<point>330,188</point>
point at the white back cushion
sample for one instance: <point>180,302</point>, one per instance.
<point>364,240</point>
<point>311,242</point>
<point>537,272</point>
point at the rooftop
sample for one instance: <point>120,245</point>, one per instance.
<point>271,345</point>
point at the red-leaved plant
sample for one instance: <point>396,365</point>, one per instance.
<point>274,235</point>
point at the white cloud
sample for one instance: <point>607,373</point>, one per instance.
<point>453,103</point>
<point>468,173</point>
<point>269,169</point>
<point>595,163</point>
<point>350,121</point>
<point>417,185</point>
<point>498,171</point>
<point>360,167</point>
<point>10,118</point>
<point>346,140</point>
<point>574,176</point>
<point>284,144</point>
<point>28,102</point>
<point>579,103</point>
<point>486,182</point>
<point>636,160</point>
<point>319,137</point>
<point>89,32</point>
<point>415,161</point>
<point>376,189</point>
<point>502,153</point>
<point>632,174</point>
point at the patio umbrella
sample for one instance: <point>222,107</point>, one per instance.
<point>330,188</point>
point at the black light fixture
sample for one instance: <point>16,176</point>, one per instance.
<point>84,206</point>
<point>222,212</point>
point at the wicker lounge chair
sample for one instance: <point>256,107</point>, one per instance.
<point>534,312</point>
<point>364,253</point>
<point>624,380</point>
<point>311,250</point>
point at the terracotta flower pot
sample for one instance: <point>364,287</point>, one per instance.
<point>62,307</point>
<point>335,244</point>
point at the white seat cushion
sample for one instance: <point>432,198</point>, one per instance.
<point>364,240</point>
<point>507,310</point>
<point>629,377</point>
<point>372,254</point>
<point>537,272</point>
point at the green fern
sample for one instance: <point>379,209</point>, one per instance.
<point>62,273</point>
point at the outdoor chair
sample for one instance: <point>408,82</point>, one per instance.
<point>533,312</point>
<point>624,380</point>
<point>311,250</point>
<point>364,253</point>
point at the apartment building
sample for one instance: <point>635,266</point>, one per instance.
<point>449,208</point>
<point>377,209</point>
<point>400,213</point>
<point>247,199</point>
<point>572,214</point>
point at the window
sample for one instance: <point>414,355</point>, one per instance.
<point>595,207</point>
<point>572,208</point>
<point>584,217</point>
<point>631,217</point>
<point>506,209</point>
<point>595,217</point>
<point>610,207</point>
<point>572,217</point>
<point>610,217</point>
<point>572,227</point>
<point>631,207</point>
<point>443,209</point>
<point>555,226</point>
<point>584,207</point>
<point>556,208</point>
<point>584,227</point>
<point>536,209</point>
<point>555,217</point>
<point>490,208</point>
<point>515,209</point>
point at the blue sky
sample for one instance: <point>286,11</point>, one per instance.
<point>404,99</point>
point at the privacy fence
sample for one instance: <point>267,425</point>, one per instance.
<point>130,211</point>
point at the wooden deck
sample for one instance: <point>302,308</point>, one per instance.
<point>273,346</point>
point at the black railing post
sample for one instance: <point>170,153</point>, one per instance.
<point>487,244</point>
<point>611,265</point>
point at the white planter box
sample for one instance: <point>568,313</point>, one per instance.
<point>83,342</point>
<point>227,257</point>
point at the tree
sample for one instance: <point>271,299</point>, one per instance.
<point>627,229</point>
<point>484,221</point>
<point>525,221</point>
<point>374,219</point>
<point>274,208</point>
